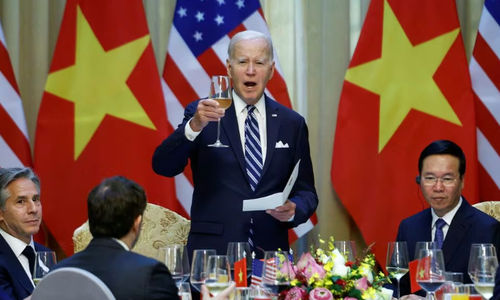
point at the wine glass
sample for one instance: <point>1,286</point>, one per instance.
<point>220,91</point>
<point>347,248</point>
<point>184,291</point>
<point>219,274</point>
<point>483,271</point>
<point>238,251</point>
<point>173,258</point>
<point>423,245</point>
<point>397,261</point>
<point>276,271</point>
<point>430,270</point>
<point>199,267</point>
<point>44,262</point>
<point>479,250</point>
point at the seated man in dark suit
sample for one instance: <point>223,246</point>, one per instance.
<point>115,210</point>
<point>451,222</point>
<point>20,219</point>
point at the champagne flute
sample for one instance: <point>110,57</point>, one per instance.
<point>44,262</point>
<point>220,91</point>
<point>173,259</point>
<point>276,271</point>
<point>483,274</point>
<point>397,261</point>
<point>237,251</point>
<point>430,270</point>
<point>199,267</point>
<point>219,274</point>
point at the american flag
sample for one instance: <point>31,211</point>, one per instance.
<point>14,140</point>
<point>197,49</point>
<point>257,266</point>
<point>485,75</point>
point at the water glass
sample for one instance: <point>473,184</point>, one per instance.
<point>44,262</point>
<point>199,267</point>
<point>347,248</point>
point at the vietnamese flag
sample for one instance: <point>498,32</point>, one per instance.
<point>240,272</point>
<point>406,86</point>
<point>102,112</point>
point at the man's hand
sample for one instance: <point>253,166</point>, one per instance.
<point>207,111</point>
<point>283,212</point>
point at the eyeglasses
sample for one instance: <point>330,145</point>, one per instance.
<point>432,180</point>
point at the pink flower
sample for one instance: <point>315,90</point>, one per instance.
<point>296,293</point>
<point>361,284</point>
<point>320,293</point>
<point>350,298</point>
<point>307,265</point>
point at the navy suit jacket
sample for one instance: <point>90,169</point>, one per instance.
<point>221,183</point>
<point>469,226</point>
<point>127,274</point>
<point>496,291</point>
<point>14,281</point>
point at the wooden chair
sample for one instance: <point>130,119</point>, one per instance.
<point>160,227</point>
<point>491,208</point>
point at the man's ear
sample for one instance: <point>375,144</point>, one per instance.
<point>137,223</point>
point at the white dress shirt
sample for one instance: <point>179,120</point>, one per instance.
<point>448,217</point>
<point>17,247</point>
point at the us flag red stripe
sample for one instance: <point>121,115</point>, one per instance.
<point>14,141</point>
<point>485,75</point>
<point>197,49</point>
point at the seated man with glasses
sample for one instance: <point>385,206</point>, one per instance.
<point>451,222</point>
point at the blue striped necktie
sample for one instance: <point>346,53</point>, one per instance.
<point>253,159</point>
<point>439,234</point>
<point>253,149</point>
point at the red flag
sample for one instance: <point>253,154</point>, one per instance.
<point>102,113</point>
<point>14,140</point>
<point>197,49</point>
<point>406,86</point>
<point>485,75</point>
<point>240,272</point>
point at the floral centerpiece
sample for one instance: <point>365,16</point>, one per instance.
<point>326,274</point>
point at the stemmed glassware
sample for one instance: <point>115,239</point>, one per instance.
<point>397,261</point>
<point>44,262</point>
<point>430,270</point>
<point>276,271</point>
<point>199,267</point>
<point>347,248</point>
<point>176,260</point>
<point>483,264</point>
<point>237,251</point>
<point>220,91</point>
<point>219,274</point>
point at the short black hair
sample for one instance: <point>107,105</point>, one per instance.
<point>113,206</point>
<point>443,147</point>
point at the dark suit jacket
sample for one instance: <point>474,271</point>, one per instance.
<point>469,226</point>
<point>14,281</point>
<point>127,274</point>
<point>221,183</point>
<point>496,291</point>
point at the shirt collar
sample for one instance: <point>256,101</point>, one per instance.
<point>122,243</point>
<point>240,105</point>
<point>448,217</point>
<point>16,244</point>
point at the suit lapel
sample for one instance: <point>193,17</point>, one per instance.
<point>457,231</point>
<point>272,129</point>
<point>14,266</point>
<point>230,126</point>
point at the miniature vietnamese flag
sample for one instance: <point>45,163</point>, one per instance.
<point>240,272</point>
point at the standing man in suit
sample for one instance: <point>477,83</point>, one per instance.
<point>224,177</point>
<point>451,222</point>
<point>115,210</point>
<point>20,219</point>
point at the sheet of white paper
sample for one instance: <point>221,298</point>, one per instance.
<point>274,200</point>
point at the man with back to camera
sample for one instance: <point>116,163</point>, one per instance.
<point>451,222</point>
<point>115,211</point>
<point>20,219</point>
<point>258,162</point>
